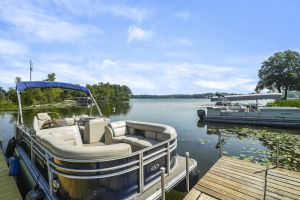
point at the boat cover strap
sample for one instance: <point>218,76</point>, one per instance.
<point>22,86</point>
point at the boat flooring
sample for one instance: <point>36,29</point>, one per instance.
<point>8,187</point>
<point>231,178</point>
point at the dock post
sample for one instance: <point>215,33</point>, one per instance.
<point>168,159</point>
<point>141,173</point>
<point>187,179</point>
<point>220,142</point>
<point>163,190</point>
<point>277,152</point>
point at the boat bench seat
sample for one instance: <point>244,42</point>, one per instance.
<point>66,142</point>
<point>68,134</point>
<point>139,135</point>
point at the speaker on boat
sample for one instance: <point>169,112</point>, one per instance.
<point>9,152</point>
<point>201,114</point>
<point>35,194</point>
<point>194,177</point>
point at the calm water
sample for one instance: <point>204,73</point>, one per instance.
<point>198,139</point>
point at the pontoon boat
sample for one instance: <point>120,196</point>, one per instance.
<point>251,114</point>
<point>89,157</point>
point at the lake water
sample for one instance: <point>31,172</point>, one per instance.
<point>251,143</point>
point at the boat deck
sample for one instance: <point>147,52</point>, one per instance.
<point>8,186</point>
<point>231,178</point>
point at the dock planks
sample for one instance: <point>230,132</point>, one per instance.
<point>8,186</point>
<point>231,178</point>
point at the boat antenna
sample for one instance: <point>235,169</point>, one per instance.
<point>31,68</point>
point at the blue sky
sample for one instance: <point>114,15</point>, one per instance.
<point>154,47</point>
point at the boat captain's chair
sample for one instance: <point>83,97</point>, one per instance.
<point>39,120</point>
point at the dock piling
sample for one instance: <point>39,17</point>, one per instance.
<point>220,142</point>
<point>187,155</point>
<point>163,190</point>
<point>277,152</point>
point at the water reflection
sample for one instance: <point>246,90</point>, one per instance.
<point>115,109</point>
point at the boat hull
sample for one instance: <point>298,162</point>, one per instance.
<point>254,121</point>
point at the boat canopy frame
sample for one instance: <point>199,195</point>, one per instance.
<point>25,85</point>
<point>247,97</point>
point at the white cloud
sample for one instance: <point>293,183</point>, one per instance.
<point>183,15</point>
<point>94,8</point>
<point>133,13</point>
<point>225,84</point>
<point>125,73</point>
<point>34,21</point>
<point>9,47</point>
<point>136,33</point>
<point>142,77</point>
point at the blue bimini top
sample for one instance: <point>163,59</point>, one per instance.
<point>22,86</point>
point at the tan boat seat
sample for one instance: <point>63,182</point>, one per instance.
<point>94,131</point>
<point>67,133</point>
<point>138,134</point>
<point>64,149</point>
<point>39,120</point>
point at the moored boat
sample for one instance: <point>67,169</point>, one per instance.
<point>249,113</point>
<point>89,157</point>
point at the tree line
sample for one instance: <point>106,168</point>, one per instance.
<point>102,92</point>
<point>178,96</point>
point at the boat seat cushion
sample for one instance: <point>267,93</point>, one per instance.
<point>151,135</point>
<point>39,120</point>
<point>67,133</point>
<point>94,131</point>
<point>94,144</point>
<point>66,150</point>
<point>118,139</point>
<point>131,139</point>
<point>70,121</point>
<point>144,143</point>
<point>138,134</point>
<point>163,132</point>
<point>119,128</point>
<point>43,116</point>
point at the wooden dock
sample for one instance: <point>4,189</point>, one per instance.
<point>8,187</point>
<point>231,178</point>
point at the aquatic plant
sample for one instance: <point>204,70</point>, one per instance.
<point>289,145</point>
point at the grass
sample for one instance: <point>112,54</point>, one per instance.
<point>286,103</point>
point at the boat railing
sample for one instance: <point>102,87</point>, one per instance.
<point>99,168</point>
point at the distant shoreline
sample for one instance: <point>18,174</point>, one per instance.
<point>177,96</point>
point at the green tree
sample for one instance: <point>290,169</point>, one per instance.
<point>18,79</point>
<point>2,93</point>
<point>110,92</point>
<point>280,72</point>
<point>51,77</point>
<point>12,95</point>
